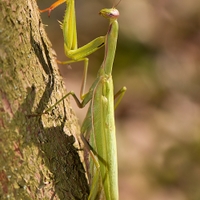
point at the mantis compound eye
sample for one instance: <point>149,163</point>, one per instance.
<point>114,13</point>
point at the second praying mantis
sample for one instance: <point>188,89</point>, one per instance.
<point>98,128</point>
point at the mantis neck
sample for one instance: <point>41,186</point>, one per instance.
<point>110,47</point>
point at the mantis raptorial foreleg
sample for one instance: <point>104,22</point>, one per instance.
<point>70,38</point>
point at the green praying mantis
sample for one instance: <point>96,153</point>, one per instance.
<point>98,128</point>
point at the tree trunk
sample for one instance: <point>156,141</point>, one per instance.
<point>38,159</point>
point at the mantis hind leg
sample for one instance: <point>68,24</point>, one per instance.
<point>96,187</point>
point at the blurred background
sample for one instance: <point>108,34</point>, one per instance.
<point>158,120</point>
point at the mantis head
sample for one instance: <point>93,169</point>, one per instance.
<point>109,13</point>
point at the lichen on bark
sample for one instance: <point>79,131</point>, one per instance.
<point>38,159</point>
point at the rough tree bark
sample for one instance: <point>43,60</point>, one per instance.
<point>38,159</point>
